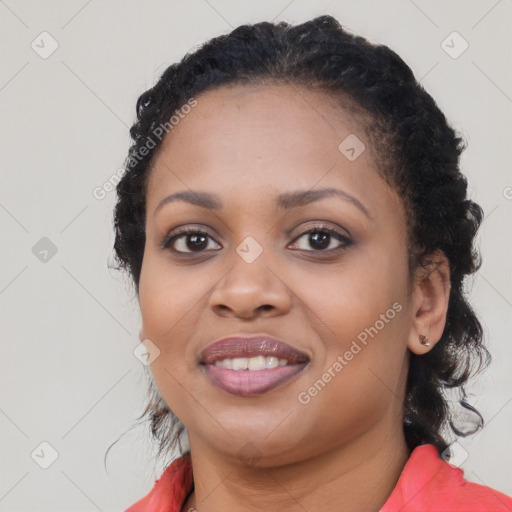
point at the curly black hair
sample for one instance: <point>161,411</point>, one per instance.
<point>414,148</point>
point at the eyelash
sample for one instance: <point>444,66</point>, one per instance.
<point>345,241</point>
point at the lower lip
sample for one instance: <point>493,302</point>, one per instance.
<point>252,382</point>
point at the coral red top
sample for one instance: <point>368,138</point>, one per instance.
<point>427,484</point>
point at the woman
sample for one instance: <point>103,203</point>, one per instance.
<point>298,233</point>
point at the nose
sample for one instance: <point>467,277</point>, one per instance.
<point>250,290</point>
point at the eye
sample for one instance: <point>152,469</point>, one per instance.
<point>191,240</point>
<point>188,240</point>
<point>320,239</point>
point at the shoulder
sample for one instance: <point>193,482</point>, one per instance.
<point>170,490</point>
<point>429,483</point>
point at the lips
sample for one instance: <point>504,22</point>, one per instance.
<point>230,348</point>
<point>251,382</point>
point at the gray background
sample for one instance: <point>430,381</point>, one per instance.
<point>68,375</point>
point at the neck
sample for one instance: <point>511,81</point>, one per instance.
<point>357,477</point>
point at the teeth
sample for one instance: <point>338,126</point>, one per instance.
<point>251,363</point>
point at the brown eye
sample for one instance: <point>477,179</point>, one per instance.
<point>321,239</point>
<point>189,241</point>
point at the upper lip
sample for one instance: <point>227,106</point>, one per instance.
<point>251,346</point>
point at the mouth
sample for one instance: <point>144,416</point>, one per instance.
<point>247,366</point>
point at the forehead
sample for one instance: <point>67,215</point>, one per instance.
<point>259,112</point>
<point>265,138</point>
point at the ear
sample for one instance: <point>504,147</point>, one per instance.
<point>431,294</point>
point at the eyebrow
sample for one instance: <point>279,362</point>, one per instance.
<point>286,200</point>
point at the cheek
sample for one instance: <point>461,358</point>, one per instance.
<point>354,400</point>
<point>157,305</point>
<point>363,365</point>
<point>364,306</point>
<point>171,301</point>
<point>165,298</point>
<point>167,307</point>
<point>352,296</point>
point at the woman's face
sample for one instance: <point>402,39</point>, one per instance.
<point>341,300</point>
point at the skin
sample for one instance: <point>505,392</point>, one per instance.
<point>345,449</point>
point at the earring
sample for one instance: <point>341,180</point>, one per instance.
<point>424,340</point>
